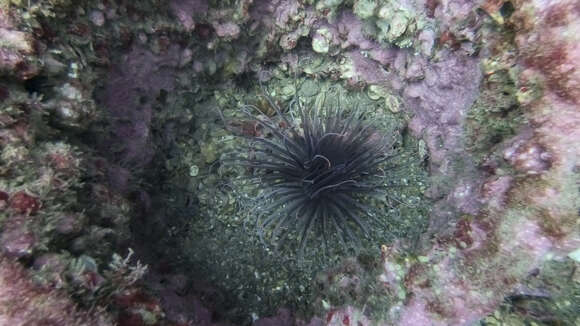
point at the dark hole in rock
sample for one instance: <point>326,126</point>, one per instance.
<point>507,9</point>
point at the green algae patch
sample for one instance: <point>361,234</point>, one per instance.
<point>494,117</point>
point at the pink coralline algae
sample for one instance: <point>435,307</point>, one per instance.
<point>528,157</point>
<point>184,10</point>
<point>494,191</point>
<point>440,101</point>
<point>24,203</point>
<point>142,72</point>
<point>227,30</point>
<point>14,53</point>
<point>17,239</point>
<point>347,316</point>
<point>524,218</point>
<point>25,303</point>
<point>275,13</point>
<point>350,31</point>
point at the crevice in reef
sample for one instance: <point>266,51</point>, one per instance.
<point>119,118</point>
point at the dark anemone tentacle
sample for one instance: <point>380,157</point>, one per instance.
<point>342,222</point>
<point>280,151</point>
<point>352,216</point>
<point>306,227</point>
<point>331,186</point>
<point>268,124</point>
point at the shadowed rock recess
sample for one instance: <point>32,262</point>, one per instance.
<point>286,162</point>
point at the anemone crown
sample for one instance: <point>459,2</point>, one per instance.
<point>315,173</point>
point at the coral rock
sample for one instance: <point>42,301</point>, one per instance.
<point>23,203</point>
<point>228,31</point>
<point>24,303</point>
<point>529,157</point>
<point>494,190</point>
<point>17,242</point>
<point>67,224</point>
<point>17,239</point>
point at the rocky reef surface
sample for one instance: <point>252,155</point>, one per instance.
<point>116,206</point>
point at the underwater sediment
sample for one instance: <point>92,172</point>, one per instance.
<point>119,202</point>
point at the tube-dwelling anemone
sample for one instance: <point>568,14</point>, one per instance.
<point>315,171</point>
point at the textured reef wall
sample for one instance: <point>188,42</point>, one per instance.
<point>529,211</point>
<point>115,117</point>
